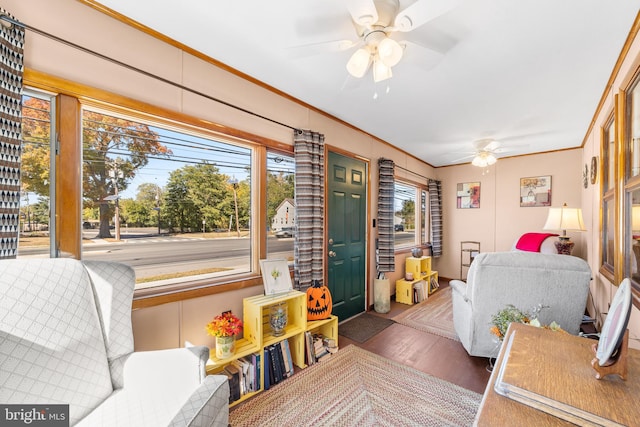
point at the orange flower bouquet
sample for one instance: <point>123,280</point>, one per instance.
<point>224,325</point>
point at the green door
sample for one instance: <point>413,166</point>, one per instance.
<point>346,237</point>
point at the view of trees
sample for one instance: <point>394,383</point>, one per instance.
<point>280,186</point>
<point>115,151</point>
<point>408,213</point>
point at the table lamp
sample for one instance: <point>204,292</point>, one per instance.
<point>564,219</point>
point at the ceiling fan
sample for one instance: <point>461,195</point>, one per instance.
<point>485,152</point>
<point>376,23</point>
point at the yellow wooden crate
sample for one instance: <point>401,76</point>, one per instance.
<point>404,291</point>
<point>419,267</point>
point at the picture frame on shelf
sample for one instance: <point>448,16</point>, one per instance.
<point>535,191</point>
<point>468,195</point>
<point>275,276</point>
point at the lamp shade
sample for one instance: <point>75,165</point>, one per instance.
<point>565,219</point>
<point>359,62</point>
<point>390,52</point>
<point>380,71</point>
<point>635,219</point>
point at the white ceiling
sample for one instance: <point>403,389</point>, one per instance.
<point>528,73</point>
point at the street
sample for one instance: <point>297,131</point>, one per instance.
<point>153,255</point>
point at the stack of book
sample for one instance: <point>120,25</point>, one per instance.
<point>244,376</point>
<point>278,363</point>
<point>318,348</point>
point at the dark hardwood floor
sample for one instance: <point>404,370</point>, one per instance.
<point>429,353</point>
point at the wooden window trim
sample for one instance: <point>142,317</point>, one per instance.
<point>70,100</point>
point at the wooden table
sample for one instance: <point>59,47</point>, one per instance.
<point>557,367</point>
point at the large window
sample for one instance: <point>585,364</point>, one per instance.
<point>631,216</point>
<point>410,215</point>
<point>170,203</point>
<point>404,214</point>
<point>35,207</point>
<point>608,199</point>
<point>281,208</point>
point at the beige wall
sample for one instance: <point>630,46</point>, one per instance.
<point>500,220</point>
<point>602,289</point>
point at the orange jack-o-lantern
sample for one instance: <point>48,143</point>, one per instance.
<point>319,303</point>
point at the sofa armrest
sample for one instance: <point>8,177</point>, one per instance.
<point>460,287</point>
<point>183,368</point>
<point>207,406</point>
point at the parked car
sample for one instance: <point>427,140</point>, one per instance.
<point>398,227</point>
<point>285,232</point>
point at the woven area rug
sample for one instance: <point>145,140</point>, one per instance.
<point>363,327</point>
<point>434,315</point>
<point>358,388</point>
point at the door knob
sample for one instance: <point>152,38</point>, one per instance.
<point>332,254</point>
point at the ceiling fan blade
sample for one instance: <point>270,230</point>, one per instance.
<point>422,12</point>
<point>420,55</point>
<point>363,12</point>
<point>463,158</point>
<point>312,49</point>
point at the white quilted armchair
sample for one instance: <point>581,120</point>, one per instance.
<point>66,338</point>
<point>523,279</point>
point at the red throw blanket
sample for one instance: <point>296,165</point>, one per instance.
<point>531,242</point>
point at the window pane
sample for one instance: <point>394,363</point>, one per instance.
<point>405,215</point>
<point>281,209</point>
<point>424,232</point>
<point>633,240</point>
<point>610,157</point>
<point>35,178</point>
<point>608,233</point>
<point>634,132</point>
<point>169,203</point>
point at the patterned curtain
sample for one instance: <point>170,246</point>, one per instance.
<point>386,252</point>
<point>309,195</point>
<point>11,70</point>
<point>435,205</point>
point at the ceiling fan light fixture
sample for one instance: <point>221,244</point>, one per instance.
<point>359,63</point>
<point>381,71</point>
<point>390,52</point>
<point>484,159</point>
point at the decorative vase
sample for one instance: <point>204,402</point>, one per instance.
<point>225,347</point>
<point>278,318</point>
<point>416,252</point>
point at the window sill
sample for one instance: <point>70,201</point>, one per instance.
<point>150,297</point>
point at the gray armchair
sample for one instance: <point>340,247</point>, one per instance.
<point>66,338</point>
<point>523,279</point>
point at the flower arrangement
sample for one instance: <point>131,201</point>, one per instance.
<point>501,320</point>
<point>224,325</point>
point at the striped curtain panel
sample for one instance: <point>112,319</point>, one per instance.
<point>435,205</point>
<point>11,70</point>
<point>386,252</point>
<point>309,195</point>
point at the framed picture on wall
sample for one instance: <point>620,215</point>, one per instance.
<point>468,195</point>
<point>535,191</point>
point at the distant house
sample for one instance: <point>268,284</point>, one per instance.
<point>285,215</point>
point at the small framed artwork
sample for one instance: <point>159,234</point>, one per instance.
<point>275,276</point>
<point>535,191</point>
<point>468,195</point>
